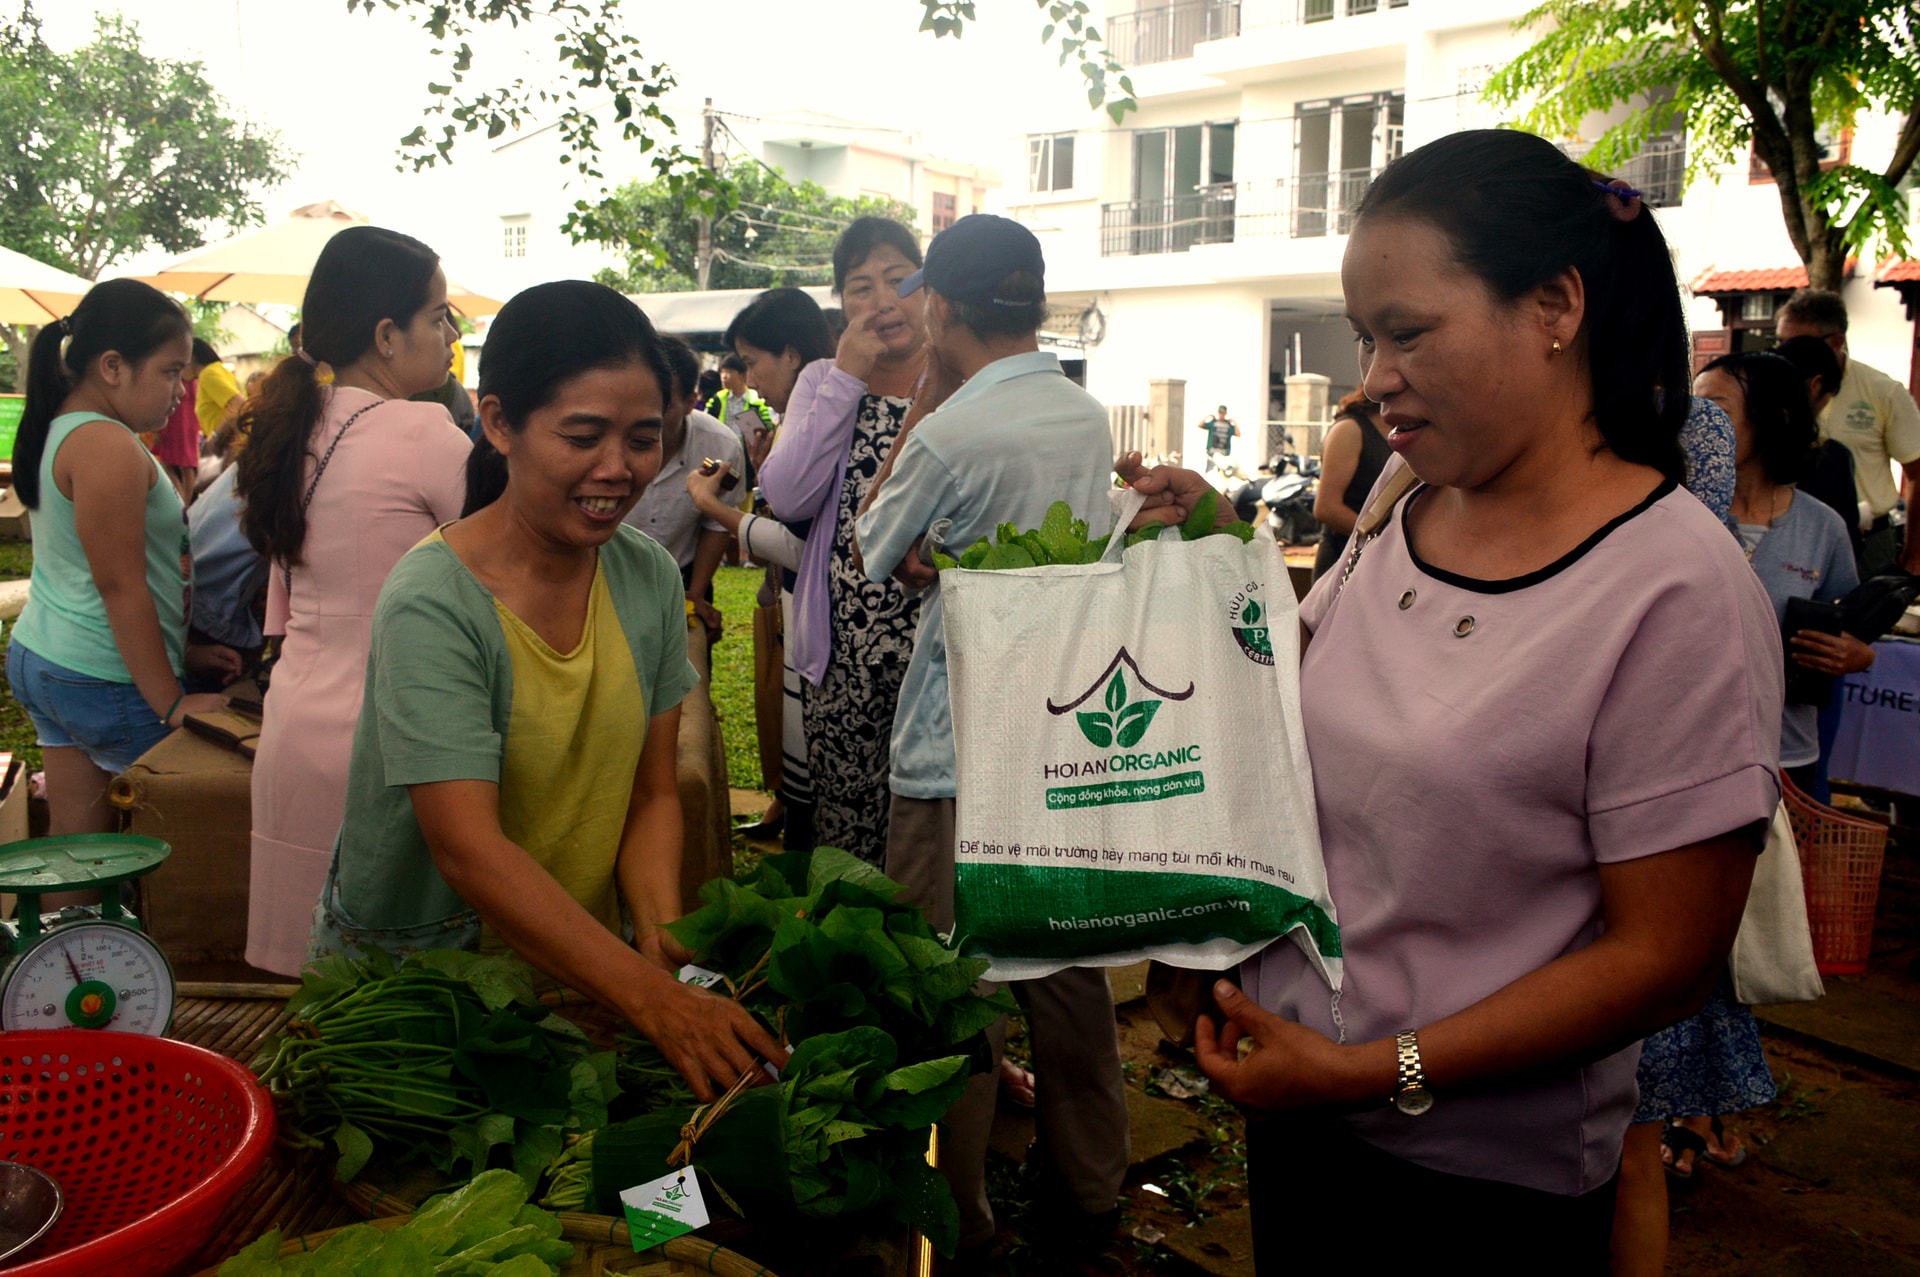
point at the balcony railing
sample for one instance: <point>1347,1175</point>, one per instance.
<point>1166,32</point>
<point>1308,207</point>
<point>1659,172</point>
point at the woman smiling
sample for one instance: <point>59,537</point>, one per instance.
<point>513,781</point>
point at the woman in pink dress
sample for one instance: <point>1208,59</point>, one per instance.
<point>339,481</point>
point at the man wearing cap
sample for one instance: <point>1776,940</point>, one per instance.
<point>1013,438</point>
<point>1221,432</point>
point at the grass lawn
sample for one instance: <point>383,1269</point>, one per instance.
<point>734,590</point>
<point>16,733</point>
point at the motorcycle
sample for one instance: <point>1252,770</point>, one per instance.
<point>1289,499</point>
<point>1238,491</point>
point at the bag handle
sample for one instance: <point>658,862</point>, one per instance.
<point>1127,503</point>
<point>1378,512</point>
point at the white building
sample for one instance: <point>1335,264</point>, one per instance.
<point>1207,230</point>
<point>505,220</point>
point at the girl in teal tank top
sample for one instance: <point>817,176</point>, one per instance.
<point>97,654</point>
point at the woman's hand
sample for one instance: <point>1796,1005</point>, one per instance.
<point>660,948</point>
<point>1171,492</point>
<point>211,659</point>
<point>1835,654</point>
<point>860,349</point>
<point>201,703</point>
<point>705,488</point>
<point>1290,1065</point>
<point>711,1040</point>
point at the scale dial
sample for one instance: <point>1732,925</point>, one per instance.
<point>88,975</point>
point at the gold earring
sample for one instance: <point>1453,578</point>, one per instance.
<point>1556,345</point>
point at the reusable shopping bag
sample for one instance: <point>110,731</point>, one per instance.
<point>1133,778</point>
<point>1772,959</point>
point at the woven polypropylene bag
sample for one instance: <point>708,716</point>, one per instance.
<point>1133,779</point>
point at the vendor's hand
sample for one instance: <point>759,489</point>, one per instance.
<point>200,703</point>
<point>912,573</point>
<point>1835,654</point>
<point>705,489</point>
<point>1170,492</point>
<point>709,1040</point>
<point>1290,1065</point>
<point>662,950</point>
<point>710,617</point>
<point>860,349</point>
<point>211,659</point>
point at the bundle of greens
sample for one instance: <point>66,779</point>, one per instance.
<point>816,942</point>
<point>448,1055</point>
<point>1061,538</point>
<point>852,1121</point>
<point>486,1229</point>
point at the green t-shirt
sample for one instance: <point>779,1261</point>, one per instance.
<point>440,706</point>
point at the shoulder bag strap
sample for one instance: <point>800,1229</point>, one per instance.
<point>1379,510</point>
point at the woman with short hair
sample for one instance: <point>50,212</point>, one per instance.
<point>339,478</point>
<point>851,639</point>
<point>513,782</point>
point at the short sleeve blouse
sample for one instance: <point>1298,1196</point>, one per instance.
<point>1479,750</point>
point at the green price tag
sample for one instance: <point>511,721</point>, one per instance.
<point>669,1207</point>
<point>11,409</point>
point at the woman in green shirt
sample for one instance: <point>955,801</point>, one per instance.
<point>513,780</point>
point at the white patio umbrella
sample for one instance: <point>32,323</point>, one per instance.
<point>271,264</point>
<point>32,292</point>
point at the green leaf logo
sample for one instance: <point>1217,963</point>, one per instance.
<point>1096,727</point>
<point>1120,722</point>
<point>1251,614</point>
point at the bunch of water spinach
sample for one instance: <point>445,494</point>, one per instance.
<point>1061,538</point>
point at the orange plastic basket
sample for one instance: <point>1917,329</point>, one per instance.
<point>148,1138</point>
<point>1840,860</point>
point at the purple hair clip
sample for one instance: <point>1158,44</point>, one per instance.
<point>1626,201</point>
<point>1617,187</point>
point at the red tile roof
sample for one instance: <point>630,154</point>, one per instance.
<point>1769,280</point>
<point>1901,270</point>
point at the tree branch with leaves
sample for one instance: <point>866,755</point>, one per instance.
<point>1772,75</point>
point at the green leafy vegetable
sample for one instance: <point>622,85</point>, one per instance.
<point>485,1229</point>
<point>1061,538</point>
<point>447,1056</point>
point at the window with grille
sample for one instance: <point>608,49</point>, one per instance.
<point>945,211</point>
<point>514,239</point>
<point>1050,163</point>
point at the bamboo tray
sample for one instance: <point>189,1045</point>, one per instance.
<point>601,1245</point>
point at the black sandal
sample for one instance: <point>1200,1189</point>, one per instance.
<point>1679,1139</point>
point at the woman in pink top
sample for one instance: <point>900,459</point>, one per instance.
<point>339,481</point>
<point>1543,711</point>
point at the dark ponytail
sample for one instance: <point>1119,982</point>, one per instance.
<point>542,339</point>
<point>1519,212</point>
<point>122,315</point>
<point>364,274</point>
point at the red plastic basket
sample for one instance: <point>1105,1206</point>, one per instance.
<point>1840,860</point>
<point>148,1138</point>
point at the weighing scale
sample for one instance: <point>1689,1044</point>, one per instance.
<point>85,966</point>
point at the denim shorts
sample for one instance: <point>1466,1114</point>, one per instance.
<point>111,723</point>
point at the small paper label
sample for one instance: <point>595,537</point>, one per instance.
<point>700,976</point>
<point>664,1209</point>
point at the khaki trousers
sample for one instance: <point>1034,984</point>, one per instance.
<point>1080,1101</point>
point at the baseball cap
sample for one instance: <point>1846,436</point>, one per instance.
<point>970,258</point>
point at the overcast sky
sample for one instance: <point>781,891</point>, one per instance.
<point>342,88</point>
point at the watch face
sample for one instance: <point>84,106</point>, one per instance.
<point>1413,1100</point>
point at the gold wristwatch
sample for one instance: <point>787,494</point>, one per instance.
<point>1412,1096</point>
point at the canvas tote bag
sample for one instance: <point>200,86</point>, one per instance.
<point>1133,779</point>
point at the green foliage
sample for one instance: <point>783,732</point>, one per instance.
<point>767,232</point>
<point>447,1056</point>
<point>1062,539</point>
<point>1738,73</point>
<point>735,593</point>
<point>485,1229</point>
<point>607,74</point>
<point>112,151</point>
